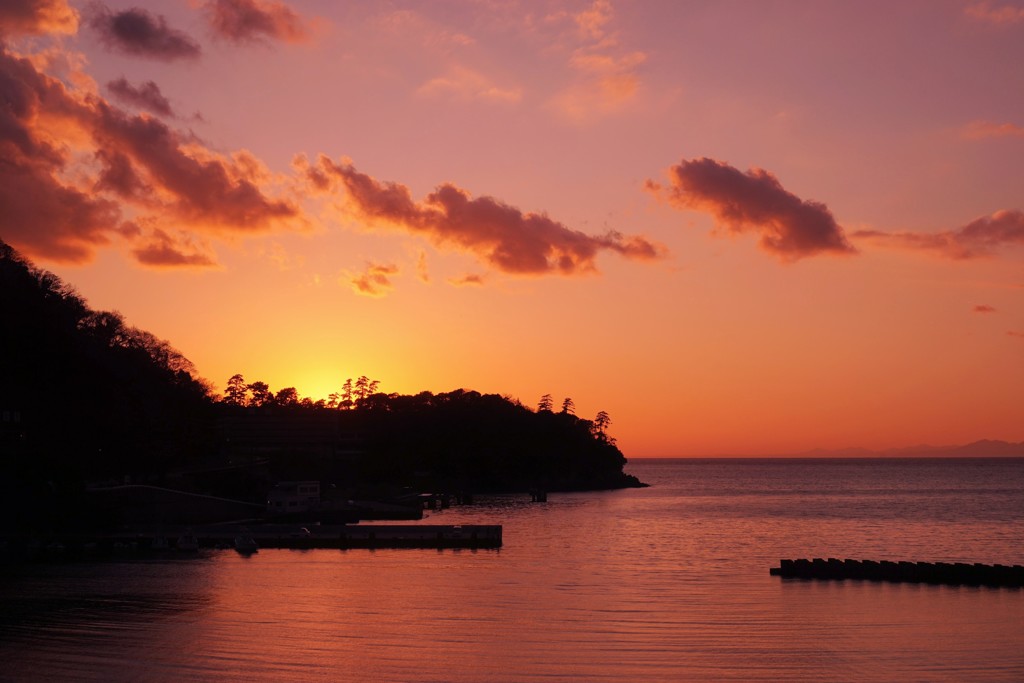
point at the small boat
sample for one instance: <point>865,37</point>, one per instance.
<point>245,543</point>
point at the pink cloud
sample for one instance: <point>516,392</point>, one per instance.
<point>37,17</point>
<point>243,21</point>
<point>981,237</point>
<point>755,202</point>
<point>146,96</point>
<point>141,34</point>
<point>199,187</point>
<point>56,206</point>
<point>501,235</point>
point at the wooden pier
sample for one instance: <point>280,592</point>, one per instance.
<point>948,573</point>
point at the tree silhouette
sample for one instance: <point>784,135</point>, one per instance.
<point>107,327</point>
<point>237,393</point>
<point>346,402</point>
<point>364,388</point>
<point>288,396</point>
<point>261,394</point>
<point>545,404</point>
<point>568,407</point>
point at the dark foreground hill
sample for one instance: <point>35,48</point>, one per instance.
<point>84,393</point>
<point>86,397</point>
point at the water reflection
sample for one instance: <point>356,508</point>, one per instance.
<point>668,583</point>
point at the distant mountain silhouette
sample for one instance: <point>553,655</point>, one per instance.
<point>985,448</point>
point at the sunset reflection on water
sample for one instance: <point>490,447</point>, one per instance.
<point>665,583</point>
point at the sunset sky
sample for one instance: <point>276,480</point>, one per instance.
<point>740,228</point>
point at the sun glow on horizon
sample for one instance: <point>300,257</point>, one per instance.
<point>595,199</point>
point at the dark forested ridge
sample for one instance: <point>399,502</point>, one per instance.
<point>85,397</point>
<point>487,443</point>
<point>455,441</point>
<point>85,393</point>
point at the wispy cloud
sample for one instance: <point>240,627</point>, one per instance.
<point>754,202</point>
<point>470,279</point>
<point>139,33</point>
<point>422,271</point>
<point>978,130</point>
<point>146,96</point>
<point>501,235</point>
<point>593,21</point>
<point>375,281</point>
<point>995,13</point>
<point>981,237</point>
<point>282,259</point>
<point>246,21</point>
<point>983,308</point>
<point>466,84</point>
<point>606,73</point>
<point>412,26</point>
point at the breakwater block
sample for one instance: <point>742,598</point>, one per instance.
<point>955,573</point>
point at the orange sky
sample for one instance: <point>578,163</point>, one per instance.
<point>738,227</point>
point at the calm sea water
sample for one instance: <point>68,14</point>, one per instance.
<point>667,583</point>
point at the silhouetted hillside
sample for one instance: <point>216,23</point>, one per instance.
<point>485,442</point>
<point>456,441</point>
<point>85,396</point>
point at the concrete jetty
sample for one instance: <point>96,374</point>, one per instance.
<point>155,540</point>
<point>949,573</point>
<point>344,536</point>
<point>420,536</point>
